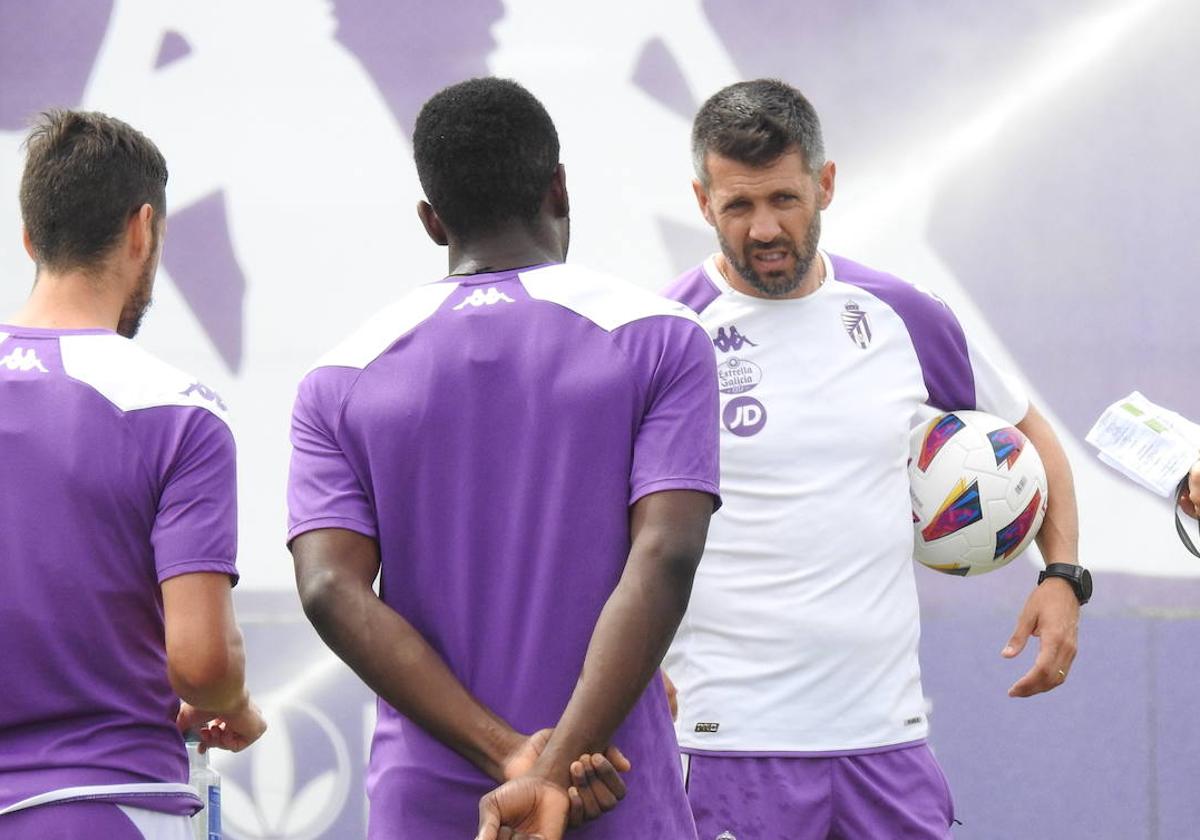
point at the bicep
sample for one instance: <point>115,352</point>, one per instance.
<point>198,616</point>
<point>670,525</point>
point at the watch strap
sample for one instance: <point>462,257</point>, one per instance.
<point>1069,572</point>
<point>1180,527</point>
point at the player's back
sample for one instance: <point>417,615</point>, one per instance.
<point>497,427</point>
<point>102,450</point>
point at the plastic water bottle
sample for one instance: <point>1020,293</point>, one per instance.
<point>206,823</point>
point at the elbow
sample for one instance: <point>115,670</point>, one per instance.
<point>322,594</point>
<point>209,673</point>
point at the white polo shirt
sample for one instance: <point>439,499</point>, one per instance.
<point>802,632</point>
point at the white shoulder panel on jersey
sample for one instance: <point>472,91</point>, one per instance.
<point>3,336</point>
<point>608,302</point>
<point>379,333</point>
<point>131,378</point>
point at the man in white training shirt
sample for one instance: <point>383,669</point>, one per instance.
<point>796,662</point>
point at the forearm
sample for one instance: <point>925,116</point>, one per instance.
<point>631,637</point>
<point>1058,538</point>
<point>396,662</point>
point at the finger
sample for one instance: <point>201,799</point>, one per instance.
<point>1016,642</point>
<point>1043,676</point>
<point>618,759</point>
<point>489,820</point>
<point>575,812</point>
<point>591,807</point>
<point>611,783</point>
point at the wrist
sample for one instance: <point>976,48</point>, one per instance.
<point>499,745</point>
<point>554,765</point>
<point>1074,576</point>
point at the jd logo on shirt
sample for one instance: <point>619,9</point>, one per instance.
<point>744,416</point>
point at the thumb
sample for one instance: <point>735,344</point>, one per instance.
<point>617,758</point>
<point>489,819</point>
<point>1016,642</point>
<point>190,717</point>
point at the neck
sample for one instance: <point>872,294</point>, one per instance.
<point>512,247</point>
<point>71,300</point>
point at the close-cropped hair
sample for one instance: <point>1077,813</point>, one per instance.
<point>486,151</point>
<point>85,175</point>
<point>754,123</point>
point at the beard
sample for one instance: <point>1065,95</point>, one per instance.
<point>776,284</point>
<point>139,299</point>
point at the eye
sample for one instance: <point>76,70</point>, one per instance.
<point>786,199</point>
<point>736,206</point>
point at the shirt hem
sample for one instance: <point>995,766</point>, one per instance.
<point>184,567</point>
<point>901,745</point>
<point>662,484</point>
<point>343,522</point>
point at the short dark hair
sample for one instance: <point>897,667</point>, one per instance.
<point>755,123</point>
<point>486,151</point>
<point>85,174</point>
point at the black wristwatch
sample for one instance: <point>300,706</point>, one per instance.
<point>1079,578</point>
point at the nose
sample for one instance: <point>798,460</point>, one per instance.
<point>764,226</point>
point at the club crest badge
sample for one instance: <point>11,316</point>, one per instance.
<point>854,319</point>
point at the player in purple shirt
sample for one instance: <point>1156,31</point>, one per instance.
<point>524,453</point>
<point>117,515</point>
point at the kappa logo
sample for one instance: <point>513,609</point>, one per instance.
<point>484,297</point>
<point>294,784</point>
<point>726,835</point>
<point>205,393</point>
<point>731,340</point>
<point>854,319</point>
<point>23,360</point>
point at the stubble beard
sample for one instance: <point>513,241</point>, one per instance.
<point>776,284</point>
<point>138,302</point>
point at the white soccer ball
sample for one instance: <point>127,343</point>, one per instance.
<point>978,492</point>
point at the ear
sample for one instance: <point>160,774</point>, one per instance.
<point>140,232</point>
<point>28,243</point>
<point>703,200</point>
<point>560,202</point>
<point>433,225</point>
<point>825,184</point>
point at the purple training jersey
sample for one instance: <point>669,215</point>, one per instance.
<point>116,473</point>
<point>491,433</point>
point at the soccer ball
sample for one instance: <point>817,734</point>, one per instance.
<point>978,492</point>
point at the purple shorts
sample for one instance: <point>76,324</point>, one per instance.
<point>92,819</point>
<point>897,794</point>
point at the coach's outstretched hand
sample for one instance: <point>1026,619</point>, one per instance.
<point>1052,614</point>
<point>233,731</point>
<point>597,786</point>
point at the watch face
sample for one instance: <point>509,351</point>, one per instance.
<point>1085,583</point>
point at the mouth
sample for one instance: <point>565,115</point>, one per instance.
<point>772,260</point>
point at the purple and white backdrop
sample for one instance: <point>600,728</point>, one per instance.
<point>1031,162</point>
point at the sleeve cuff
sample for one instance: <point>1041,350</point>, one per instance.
<point>346,523</point>
<point>187,567</point>
<point>661,484</point>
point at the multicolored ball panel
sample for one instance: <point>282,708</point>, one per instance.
<point>1012,534</point>
<point>936,438</point>
<point>960,509</point>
